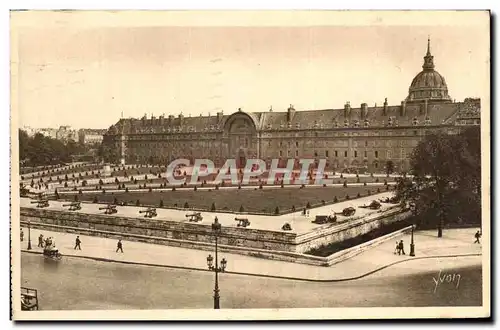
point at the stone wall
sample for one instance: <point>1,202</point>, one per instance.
<point>350,229</point>
<point>244,237</point>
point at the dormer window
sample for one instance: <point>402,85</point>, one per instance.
<point>415,121</point>
<point>336,124</point>
<point>356,123</point>
<point>367,123</point>
<point>427,121</point>
<point>316,124</point>
<point>297,125</point>
<point>289,125</point>
<point>212,127</point>
<point>282,125</point>
<point>346,123</point>
<point>390,121</point>
<point>269,126</point>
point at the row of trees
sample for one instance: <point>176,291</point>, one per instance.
<point>41,150</point>
<point>446,187</point>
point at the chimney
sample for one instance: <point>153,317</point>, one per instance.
<point>170,118</point>
<point>290,113</point>
<point>364,110</point>
<point>181,118</point>
<point>403,108</point>
<point>347,109</point>
<point>219,115</point>
<point>385,107</point>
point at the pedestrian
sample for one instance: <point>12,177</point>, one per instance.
<point>40,241</point>
<point>77,243</point>
<point>22,235</point>
<point>477,236</point>
<point>119,246</point>
<point>402,247</point>
<point>396,250</point>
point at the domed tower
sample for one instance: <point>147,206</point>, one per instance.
<point>428,84</point>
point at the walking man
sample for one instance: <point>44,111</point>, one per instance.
<point>22,235</point>
<point>477,236</point>
<point>401,247</point>
<point>77,243</point>
<point>119,246</point>
<point>40,241</point>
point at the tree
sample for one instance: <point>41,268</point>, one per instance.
<point>213,207</point>
<point>446,184</point>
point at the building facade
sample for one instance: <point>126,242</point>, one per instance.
<point>90,136</point>
<point>348,137</point>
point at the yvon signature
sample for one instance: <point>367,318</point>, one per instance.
<point>447,278</point>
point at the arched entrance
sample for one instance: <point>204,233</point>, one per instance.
<point>241,138</point>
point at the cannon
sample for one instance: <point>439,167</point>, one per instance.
<point>194,217</point>
<point>150,212</point>
<point>41,203</point>
<point>347,212</point>
<point>393,200</point>
<point>109,209</point>
<point>374,205</point>
<point>74,206</point>
<point>242,222</point>
<point>322,219</point>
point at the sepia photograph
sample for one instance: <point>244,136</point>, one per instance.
<point>250,165</point>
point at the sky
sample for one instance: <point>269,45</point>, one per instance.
<point>88,71</point>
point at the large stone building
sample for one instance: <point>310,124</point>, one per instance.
<point>349,137</point>
<point>90,136</point>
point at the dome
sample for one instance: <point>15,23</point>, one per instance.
<point>428,84</point>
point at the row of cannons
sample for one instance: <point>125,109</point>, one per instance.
<point>350,211</point>
<point>150,212</point>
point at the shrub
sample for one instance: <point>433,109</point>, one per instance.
<point>103,191</point>
<point>364,184</point>
<point>195,188</point>
<point>239,186</point>
<point>387,187</point>
<point>378,190</point>
<point>80,191</point>
<point>161,202</point>
<point>65,185</point>
<point>293,208</point>
<point>150,189</point>
<point>323,202</point>
<point>277,210</point>
<point>76,198</point>
<point>282,185</point>
<point>357,179</point>
<point>376,180</point>
<point>335,199</point>
<point>95,200</point>
<point>115,201</point>
<point>308,205</point>
<point>324,184</point>
<point>341,176</point>
<point>260,186</point>
<point>137,203</point>
<point>385,182</point>
<point>358,195</point>
<point>347,197</point>
<point>242,209</point>
<point>345,184</point>
<point>173,188</point>
<point>213,207</point>
<point>216,187</point>
<point>303,186</point>
<point>126,189</point>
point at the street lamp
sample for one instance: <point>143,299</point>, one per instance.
<point>412,245</point>
<point>29,235</point>
<point>216,229</point>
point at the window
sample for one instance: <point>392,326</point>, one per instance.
<point>345,153</point>
<point>326,153</point>
<point>297,144</point>
<point>355,154</point>
<point>288,153</point>
<point>269,144</point>
<point>366,153</point>
<point>403,154</point>
<point>336,153</point>
<point>296,153</point>
<point>315,154</point>
<point>376,165</point>
<point>281,153</point>
<point>415,132</point>
<point>366,143</point>
<point>281,144</point>
<point>388,154</point>
<point>376,154</point>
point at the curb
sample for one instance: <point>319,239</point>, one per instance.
<point>264,275</point>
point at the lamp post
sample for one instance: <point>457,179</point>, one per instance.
<point>216,229</point>
<point>29,235</point>
<point>412,245</point>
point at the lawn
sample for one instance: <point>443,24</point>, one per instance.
<point>257,201</point>
<point>62,172</point>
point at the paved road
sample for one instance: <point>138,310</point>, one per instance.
<point>92,285</point>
